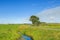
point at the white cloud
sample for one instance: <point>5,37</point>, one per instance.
<point>50,15</point>
<point>14,20</point>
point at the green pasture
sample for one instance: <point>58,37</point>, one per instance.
<point>42,32</point>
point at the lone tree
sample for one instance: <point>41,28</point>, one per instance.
<point>35,20</point>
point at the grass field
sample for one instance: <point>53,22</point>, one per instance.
<point>42,32</point>
<point>8,32</point>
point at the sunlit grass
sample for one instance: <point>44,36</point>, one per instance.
<point>10,32</point>
<point>41,34</point>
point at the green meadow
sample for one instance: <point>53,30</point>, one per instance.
<point>42,32</point>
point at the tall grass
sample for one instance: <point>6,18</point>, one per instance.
<point>10,31</point>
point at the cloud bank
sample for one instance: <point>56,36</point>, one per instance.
<point>51,15</point>
<point>14,20</point>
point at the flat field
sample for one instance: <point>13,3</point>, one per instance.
<point>42,32</point>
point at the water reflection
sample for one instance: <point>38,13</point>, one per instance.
<point>25,37</point>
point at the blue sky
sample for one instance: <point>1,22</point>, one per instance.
<point>19,11</point>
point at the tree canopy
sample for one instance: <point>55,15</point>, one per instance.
<point>34,20</point>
